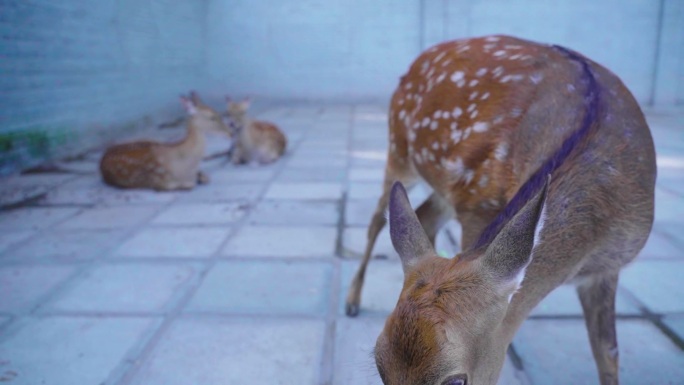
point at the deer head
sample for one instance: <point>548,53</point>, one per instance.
<point>446,328</point>
<point>204,117</point>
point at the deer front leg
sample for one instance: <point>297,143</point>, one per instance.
<point>377,223</point>
<point>598,303</point>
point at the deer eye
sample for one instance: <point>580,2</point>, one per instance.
<point>459,379</point>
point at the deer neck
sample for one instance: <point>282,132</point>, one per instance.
<point>194,142</point>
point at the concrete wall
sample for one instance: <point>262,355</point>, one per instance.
<point>348,49</point>
<point>76,72</point>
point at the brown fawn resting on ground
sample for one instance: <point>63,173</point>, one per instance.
<point>162,166</point>
<point>546,160</point>
<point>255,140</point>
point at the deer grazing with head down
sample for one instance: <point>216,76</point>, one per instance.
<point>546,160</point>
<point>164,166</point>
<point>255,140</point>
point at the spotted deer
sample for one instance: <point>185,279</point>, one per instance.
<point>162,166</point>
<point>255,140</point>
<point>546,160</point>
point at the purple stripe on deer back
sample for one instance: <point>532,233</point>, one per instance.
<point>538,179</point>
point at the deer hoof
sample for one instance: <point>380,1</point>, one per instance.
<point>351,309</point>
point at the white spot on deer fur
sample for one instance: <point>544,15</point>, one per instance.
<point>456,112</point>
<point>438,57</point>
<point>456,136</point>
<point>472,107</point>
<point>480,127</point>
<point>441,77</point>
<point>473,82</point>
<point>460,83</point>
<point>455,167</point>
<point>498,119</point>
<point>425,122</point>
<point>492,38</point>
<point>497,71</point>
<point>516,112</point>
<point>416,125</point>
<point>437,114</point>
<point>402,113</point>
<point>500,53</point>
<point>468,176</point>
<point>484,179</point>
<point>446,62</point>
<point>514,57</point>
<point>472,95</point>
<point>424,67</point>
<point>488,47</point>
<point>431,72</point>
<point>473,114</point>
<point>481,72</point>
<point>463,49</point>
<point>435,145</point>
<point>434,125</point>
<point>401,102</point>
<point>408,86</point>
<point>445,115</point>
<point>501,151</point>
<point>421,88</point>
<point>571,87</point>
<point>456,76</point>
<point>485,96</point>
<point>536,78</point>
<point>512,46</point>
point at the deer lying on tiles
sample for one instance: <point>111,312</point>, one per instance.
<point>487,123</point>
<point>255,140</point>
<point>162,166</point>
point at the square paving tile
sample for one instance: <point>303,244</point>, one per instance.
<point>668,206</point>
<point>27,218</point>
<point>312,174</point>
<point>22,286</point>
<point>260,287</point>
<point>367,174</point>
<point>174,242</point>
<point>676,323</point>
<point>69,245</point>
<point>223,193</point>
<point>304,191</point>
<point>658,284</point>
<point>110,217</point>
<point>359,212</point>
<point>355,240</point>
<point>354,342</point>
<point>290,241</point>
<point>320,160</point>
<point>282,212</point>
<point>69,350</point>
<point>201,214</point>
<point>126,288</point>
<point>563,301</point>
<point>365,190</point>
<point>9,238</point>
<point>239,174</point>
<point>558,352</point>
<point>235,352</point>
<point>381,289</point>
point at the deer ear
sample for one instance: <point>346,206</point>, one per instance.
<point>188,105</point>
<point>407,234</point>
<point>509,254</point>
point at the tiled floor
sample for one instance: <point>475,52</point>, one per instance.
<point>242,281</point>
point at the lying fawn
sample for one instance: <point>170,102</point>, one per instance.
<point>162,166</point>
<point>255,140</point>
<point>485,122</point>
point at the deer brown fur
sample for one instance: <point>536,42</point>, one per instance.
<point>482,121</point>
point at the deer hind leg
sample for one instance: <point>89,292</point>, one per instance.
<point>377,224</point>
<point>202,178</point>
<point>598,302</point>
<point>433,214</point>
